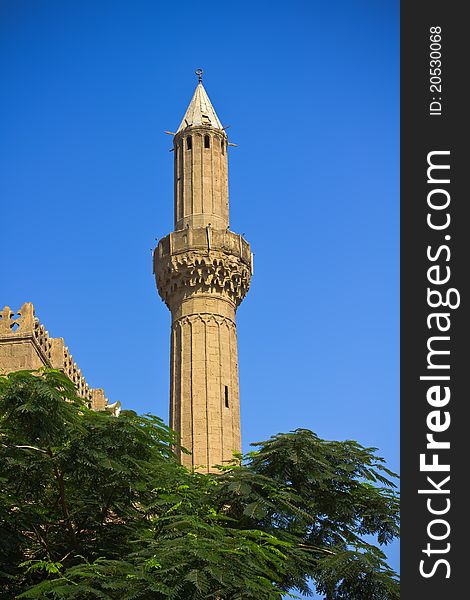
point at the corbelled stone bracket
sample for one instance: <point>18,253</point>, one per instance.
<point>194,271</point>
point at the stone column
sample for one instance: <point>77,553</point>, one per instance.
<point>203,279</point>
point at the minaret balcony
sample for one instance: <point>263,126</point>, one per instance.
<point>202,260</point>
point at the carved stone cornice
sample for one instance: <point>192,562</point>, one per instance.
<point>191,272</point>
<point>205,318</point>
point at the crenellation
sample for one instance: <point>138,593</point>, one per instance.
<point>25,344</point>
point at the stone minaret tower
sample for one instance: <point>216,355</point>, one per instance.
<point>203,272</point>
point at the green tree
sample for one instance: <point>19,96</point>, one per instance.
<point>94,506</point>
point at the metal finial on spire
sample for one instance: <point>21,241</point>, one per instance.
<point>199,73</point>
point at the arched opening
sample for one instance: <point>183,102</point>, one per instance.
<point>207,142</point>
<point>189,142</point>
<point>222,146</point>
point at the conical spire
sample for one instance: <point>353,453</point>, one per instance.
<point>200,110</point>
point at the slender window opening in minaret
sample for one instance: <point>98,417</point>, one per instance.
<point>222,146</point>
<point>226,397</point>
<point>207,143</point>
<point>189,142</point>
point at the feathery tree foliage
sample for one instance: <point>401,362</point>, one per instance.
<point>95,506</point>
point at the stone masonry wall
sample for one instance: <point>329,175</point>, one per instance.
<point>25,344</point>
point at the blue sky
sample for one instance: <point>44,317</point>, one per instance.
<point>311,92</point>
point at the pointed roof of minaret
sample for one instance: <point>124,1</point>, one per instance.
<point>200,110</point>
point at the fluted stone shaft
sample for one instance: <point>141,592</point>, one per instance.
<point>204,396</point>
<point>201,178</point>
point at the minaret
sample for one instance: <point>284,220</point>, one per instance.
<point>203,272</point>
